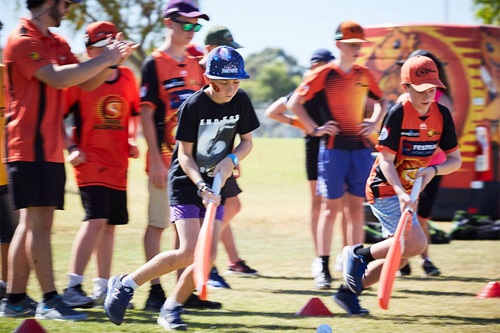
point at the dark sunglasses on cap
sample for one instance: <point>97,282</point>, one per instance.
<point>186,26</point>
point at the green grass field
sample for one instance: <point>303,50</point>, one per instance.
<point>273,236</point>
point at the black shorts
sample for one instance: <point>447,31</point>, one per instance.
<point>312,150</point>
<point>427,198</point>
<point>231,188</point>
<point>9,218</point>
<point>101,202</point>
<point>36,184</point>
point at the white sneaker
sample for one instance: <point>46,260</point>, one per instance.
<point>316,267</point>
<point>339,264</point>
<point>75,297</point>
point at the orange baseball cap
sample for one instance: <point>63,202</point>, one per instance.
<point>421,73</point>
<point>98,32</point>
<point>350,32</point>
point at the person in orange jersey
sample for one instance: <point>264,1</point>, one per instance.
<point>411,133</point>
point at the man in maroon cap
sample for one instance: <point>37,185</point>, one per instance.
<point>169,76</point>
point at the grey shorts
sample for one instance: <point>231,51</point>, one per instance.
<point>387,211</point>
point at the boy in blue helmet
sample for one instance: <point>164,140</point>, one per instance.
<point>209,121</point>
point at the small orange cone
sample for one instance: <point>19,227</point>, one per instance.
<point>314,307</point>
<point>491,290</point>
<point>30,326</point>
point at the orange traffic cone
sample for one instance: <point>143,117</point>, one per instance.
<point>30,326</point>
<point>492,289</point>
<point>314,307</point>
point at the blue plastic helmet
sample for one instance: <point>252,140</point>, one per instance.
<point>225,63</point>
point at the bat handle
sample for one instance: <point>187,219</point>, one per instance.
<point>217,184</point>
<point>415,191</point>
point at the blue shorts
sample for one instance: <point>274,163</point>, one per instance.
<point>387,211</point>
<point>182,212</point>
<point>342,171</point>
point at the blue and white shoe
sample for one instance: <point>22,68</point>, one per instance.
<point>354,268</point>
<point>170,319</point>
<point>24,308</point>
<point>117,299</point>
<point>215,281</point>
<point>349,301</point>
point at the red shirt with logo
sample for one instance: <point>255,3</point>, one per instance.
<point>34,118</point>
<point>413,138</point>
<point>101,129</point>
<point>345,95</point>
<point>166,84</point>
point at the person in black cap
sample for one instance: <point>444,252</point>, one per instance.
<point>41,64</point>
<point>316,110</point>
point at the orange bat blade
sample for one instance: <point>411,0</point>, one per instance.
<point>203,252</point>
<point>203,249</point>
<point>393,258</point>
<point>392,262</point>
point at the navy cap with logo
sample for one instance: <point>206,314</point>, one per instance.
<point>225,63</point>
<point>187,8</point>
<point>322,55</point>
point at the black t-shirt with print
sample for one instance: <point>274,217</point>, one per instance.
<point>212,128</point>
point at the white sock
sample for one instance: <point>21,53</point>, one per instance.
<point>171,303</point>
<point>129,282</point>
<point>100,285</point>
<point>74,280</point>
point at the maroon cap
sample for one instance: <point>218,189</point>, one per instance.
<point>185,8</point>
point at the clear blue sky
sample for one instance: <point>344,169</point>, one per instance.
<point>296,26</point>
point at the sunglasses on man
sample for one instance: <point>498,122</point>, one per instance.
<point>186,26</point>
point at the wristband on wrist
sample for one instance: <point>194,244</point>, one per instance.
<point>113,67</point>
<point>435,170</point>
<point>71,148</point>
<point>314,132</point>
<point>199,184</point>
<point>202,189</point>
<point>233,158</point>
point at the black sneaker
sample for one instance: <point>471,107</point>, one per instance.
<point>194,302</point>
<point>155,300</point>
<point>405,270</point>
<point>349,302</point>
<point>75,297</point>
<point>430,269</point>
<point>3,289</point>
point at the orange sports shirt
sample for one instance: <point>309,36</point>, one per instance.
<point>102,127</point>
<point>345,95</point>
<point>3,104</point>
<point>413,138</point>
<point>166,84</point>
<point>34,118</point>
